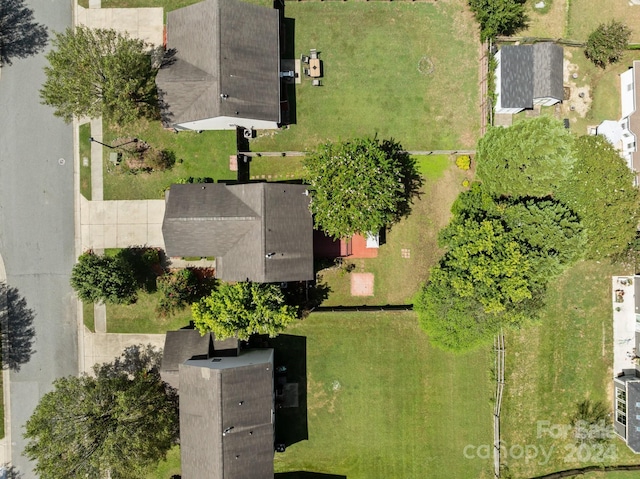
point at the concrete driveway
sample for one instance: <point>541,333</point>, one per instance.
<point>119,224</point>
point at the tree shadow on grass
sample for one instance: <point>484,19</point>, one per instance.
<point>20,36</point>
<point>290,353</point>
<point>16,329</point>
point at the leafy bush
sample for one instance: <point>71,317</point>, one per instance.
<point>179,289</point>
<point>107,279</point>
<point>159,160</point>
<point>463,162</point>
<point>607,43</point>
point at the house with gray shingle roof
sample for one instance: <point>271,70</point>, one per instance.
<point>528,75</point>
<point>224,67</point>
<point>626,339</point>
<point>260,232</point>
<point>227,416</point>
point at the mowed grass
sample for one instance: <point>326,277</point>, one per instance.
<point>276,168</point>
<point>554,364</point>
<point>85,152</point>
<point>203,154</point>
<point>167,468</point>
<point>585,16</point>
<point>142,317</point>
<point>396,278</point>
<point>383,404</point>
<point>371,54</point>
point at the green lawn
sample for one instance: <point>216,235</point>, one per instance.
<point>276,168</point>
<point>564,359</point>
<point>142,318</point>
<point>371,53</point>
<point>585,16</point>
<point>383,404</point>
<point>198,154</point>
<point>168,468</point>
<point>85,152</point>
<point>87,316</point>
<point>397,278</point>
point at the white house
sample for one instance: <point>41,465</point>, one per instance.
<point>622,134</point>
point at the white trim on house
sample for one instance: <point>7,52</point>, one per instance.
<point>546,101</point>
<point>227,123</point>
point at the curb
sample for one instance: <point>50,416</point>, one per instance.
<point>5,442</point>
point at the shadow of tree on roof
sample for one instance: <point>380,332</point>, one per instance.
<point>20,36</point>
<point>16,329</point>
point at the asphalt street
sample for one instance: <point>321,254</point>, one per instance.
<point>37,237</point>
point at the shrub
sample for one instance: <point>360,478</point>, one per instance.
<point>159,160</point>
<point>463,162</point>
<point>179,289</point>
<point>465,183</point>
<point>607,43</point>
<point>104,279</point>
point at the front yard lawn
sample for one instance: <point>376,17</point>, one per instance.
<point>382,403</point>
<point>563,359</point>
<point>142,317</point>
<point>203,154</point>
<point>84,134</point>
<point>402,70</point>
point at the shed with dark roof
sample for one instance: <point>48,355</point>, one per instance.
<point>259,232</point>
<point>529,75</point>
<point>224,67</point>
<point>227,417</point>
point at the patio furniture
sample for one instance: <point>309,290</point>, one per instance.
<point>315,68</point>
<point>316,82</point>
<point>306,72</point>
<point>313,53</point>
<point>304,58</point>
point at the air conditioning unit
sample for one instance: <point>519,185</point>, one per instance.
<point>248,133</point>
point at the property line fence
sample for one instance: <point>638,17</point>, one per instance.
<point>485,103</point>
<point>364,308</point>
<point>560,41</point>
<point>498,346</point>
<point>302,153</point>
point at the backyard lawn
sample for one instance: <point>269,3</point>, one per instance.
<point>552,365</point>
<point>402,70</point>
<point>397,278</point>
<point>383,404</point>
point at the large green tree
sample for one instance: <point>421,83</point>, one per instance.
<point>101,278</point>
<point>607,43</point>
<point>360,185</point>
<point>499,258</point>
<point>530,158</point>
<point>97,72</point>
<point>600,189</point>
<point>499,17</point>
<point>115,424</point>
<point>242,309</point>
